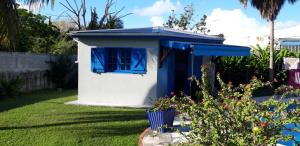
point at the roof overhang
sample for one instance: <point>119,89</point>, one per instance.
<point>158,33</point>
<point>204,49</point>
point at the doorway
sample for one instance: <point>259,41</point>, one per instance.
<point>181,72</point>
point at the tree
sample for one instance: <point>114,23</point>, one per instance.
<point>64,25</point>
<point>78,11</point>
<point>269,10</point>
<point>35,35</point>
<point>184,22</point>
<point>109,20</point>
<point>8,23</point>
<point>9,18</point>
<point>94,20</point>
<point>113,23</point>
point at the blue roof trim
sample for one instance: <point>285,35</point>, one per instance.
<point>220,50</point>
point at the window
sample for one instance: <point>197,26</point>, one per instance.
<point>123,60</point>
<point>119,59</point>
<point>112,59</point>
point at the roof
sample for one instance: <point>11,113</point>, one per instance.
<point>149,32</point>
<point>289,41</point>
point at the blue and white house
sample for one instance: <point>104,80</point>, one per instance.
<point>129,67</point>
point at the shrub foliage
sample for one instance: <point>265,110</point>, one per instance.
<point>11,88</point>
<point>233,117</point>
<point>241,69</point>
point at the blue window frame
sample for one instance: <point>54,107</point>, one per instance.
<point>122,60</point>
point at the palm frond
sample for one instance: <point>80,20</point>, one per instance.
<point>36,4</point>
<point>9,19</point>
<point>269,9</point>
<point>244,2</point>
<point>8,22</point>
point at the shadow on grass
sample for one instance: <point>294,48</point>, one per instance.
<point>98,123</point>
<point>31,98</point>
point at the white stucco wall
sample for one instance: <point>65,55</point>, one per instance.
<point>116,89</point>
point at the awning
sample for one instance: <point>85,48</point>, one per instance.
<point>220,50</point>
<point>204,49</point>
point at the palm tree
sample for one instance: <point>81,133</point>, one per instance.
<point>9,18</point>
<point>269,10</point>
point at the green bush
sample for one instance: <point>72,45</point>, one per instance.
<point>11,88</point>
<point>233,117</point>
<point>241,69</point>
<point>63,71</point>
<point>287,91</point>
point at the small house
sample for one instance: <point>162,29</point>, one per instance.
<point>131,67</point>
<point>292,44</point>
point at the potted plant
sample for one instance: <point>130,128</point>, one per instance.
<point>161,115</point>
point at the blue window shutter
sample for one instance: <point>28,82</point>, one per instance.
<point>98,60</point>
<point>138,61</point>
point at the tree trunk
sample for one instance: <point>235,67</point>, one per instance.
<point>271,63</point>
<point>83,5</point>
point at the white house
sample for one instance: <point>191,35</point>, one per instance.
<point>130,67</point>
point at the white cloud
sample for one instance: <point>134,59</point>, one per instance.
<point>157,20</point>
<point>287,29</point>
<point>22,6</point>
<point>239,29</point>
<point>33,8</point>
<point>157,10</point>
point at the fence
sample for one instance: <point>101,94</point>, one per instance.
<point>31,80</point>
<point>32,69</point>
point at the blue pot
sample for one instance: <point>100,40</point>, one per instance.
<point>161,121</point>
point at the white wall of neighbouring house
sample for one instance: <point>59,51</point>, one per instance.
<point>116,89</point>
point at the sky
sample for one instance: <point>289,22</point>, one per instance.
<point>240,25</point>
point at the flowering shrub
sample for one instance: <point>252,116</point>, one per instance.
<point>163,103</point>
<point>232,117</point>
<point>287,91</point>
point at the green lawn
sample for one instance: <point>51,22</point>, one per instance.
<point>41,118</point>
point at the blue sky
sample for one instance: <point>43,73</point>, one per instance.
<point>230,17</point>
<point>288,13</point>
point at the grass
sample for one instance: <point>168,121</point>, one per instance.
<point>41,118</point>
